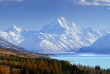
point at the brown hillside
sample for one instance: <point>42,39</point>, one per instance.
<point>8,51</point>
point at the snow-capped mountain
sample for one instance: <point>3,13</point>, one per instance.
<point>7,44</point>
<point>101,45</point>
<point>15,35</point>
<point>57,36</point>
<point>12,34</point>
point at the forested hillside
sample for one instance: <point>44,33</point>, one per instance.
<point>21,65</point>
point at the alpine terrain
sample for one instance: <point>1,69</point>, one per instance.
<point>101,46</point>
<point>7,44</point>
<point>55,37</point>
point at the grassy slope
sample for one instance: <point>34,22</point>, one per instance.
<point>8,51</point>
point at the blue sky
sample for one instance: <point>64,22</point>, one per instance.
<point>33,14</point>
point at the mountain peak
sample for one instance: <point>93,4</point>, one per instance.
<point>14,28</point>
<point>56,26</point>
<point>62,19</point>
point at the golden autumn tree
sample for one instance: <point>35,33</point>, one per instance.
<point>5,61</point>
<point>28,63</point>
<point>56,68</point>
<point>51,67</point>
<point>35,67</point>
<point>27,72</point>
<point>42,65</point>
<point>60,68</point>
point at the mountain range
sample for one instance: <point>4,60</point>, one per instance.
<point>100,46</point>
<point>55,37</point>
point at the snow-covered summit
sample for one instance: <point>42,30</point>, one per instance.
<point>56,36</point>
<point>12,34</point>
<point>57,26</point>
<point>13,28</point>
<point>59,36</point>
<point>16,35</point>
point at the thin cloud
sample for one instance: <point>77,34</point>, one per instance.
<point>11,0</point>
<point>93,2</point>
